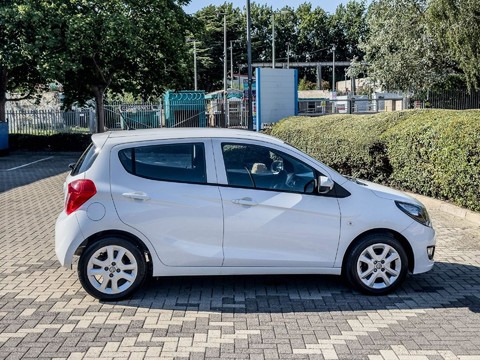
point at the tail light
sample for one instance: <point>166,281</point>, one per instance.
<point>79,191</point>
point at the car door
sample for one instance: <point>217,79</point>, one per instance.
<point>273,215</point>
<point>162,190</point>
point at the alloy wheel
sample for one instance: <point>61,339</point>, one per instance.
<point>379,266</point>
<point>112,269</point>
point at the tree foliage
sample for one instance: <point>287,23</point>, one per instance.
<point>122,46</point>
<point>455,24</point>
<point>26,35</point>
<point>306,33</point>
<point>416,45</point>
<point>400,52</point>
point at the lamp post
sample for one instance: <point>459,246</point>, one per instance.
<point>333,80</point>
<point>288,55</point>
<point>194,62</point>
<point>225,67</point>
<point>273,36</point>
<point>225,55</point>
<point>273,40</point>
<point>231,61</point>
<point>249,61</point>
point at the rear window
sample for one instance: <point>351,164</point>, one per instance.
<point>85,161</point>
<point>171,162</point>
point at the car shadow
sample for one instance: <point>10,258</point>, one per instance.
<point>448,285</point>
<point>23,168</point>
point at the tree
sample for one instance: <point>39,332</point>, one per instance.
<point>401,52</point>
<point>211,42</point>
<point>25,36</point>
<point>348,27</point>
<point>454,23</point>
<point>123,46</point>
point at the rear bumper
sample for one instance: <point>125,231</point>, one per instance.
<point>67,234</point>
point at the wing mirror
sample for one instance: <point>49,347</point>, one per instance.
<point>71,166</point>
<point>325,184</point>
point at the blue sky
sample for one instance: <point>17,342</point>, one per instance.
<point>327,5</point>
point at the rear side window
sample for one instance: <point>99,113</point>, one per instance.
<point>171,162</point>
<point>85,161</point>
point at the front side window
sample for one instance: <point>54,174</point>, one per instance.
<point>259,167</point>
<point>170,162</point>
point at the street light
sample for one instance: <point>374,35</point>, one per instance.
<point>273,36</point>
<point>333,80</point>
<point>273,40</point>
<point>224,59</point>
<point>288,55</point>
<point>194,61</point>
<point>231,61</point>
<point>249,61</point>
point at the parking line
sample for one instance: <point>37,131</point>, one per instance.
<point>33,162</point>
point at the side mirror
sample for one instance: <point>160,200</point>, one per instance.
<point>325,184</point>
<point>71,166</point>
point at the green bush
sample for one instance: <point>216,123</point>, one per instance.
<point>57,142</point>
<point>431,152</point>
<point>437,153</point>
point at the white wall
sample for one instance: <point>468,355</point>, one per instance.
<point>277,94</point>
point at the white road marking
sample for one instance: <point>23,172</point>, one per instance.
<point>33,162</point>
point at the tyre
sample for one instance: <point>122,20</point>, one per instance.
<point>111,269</point>
<point>376,265</point>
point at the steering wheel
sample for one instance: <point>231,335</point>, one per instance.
<point>276,167</point>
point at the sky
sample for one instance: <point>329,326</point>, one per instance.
<point>327,5</point>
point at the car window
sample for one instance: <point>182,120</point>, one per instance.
<point>263,168</point>
<point>170,162</point>
<point>85,161</point>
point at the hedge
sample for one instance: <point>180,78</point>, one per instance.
<point>430,152</point>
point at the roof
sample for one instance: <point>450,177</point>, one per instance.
<point>125,136</point>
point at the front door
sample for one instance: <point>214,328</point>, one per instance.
<point>273,215</point>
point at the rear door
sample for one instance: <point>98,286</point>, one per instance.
<point>161,189</point>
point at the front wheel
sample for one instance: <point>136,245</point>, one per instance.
<point>111,269</point>
<point>377,265</point>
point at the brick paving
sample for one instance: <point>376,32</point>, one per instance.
<point>44,312</point>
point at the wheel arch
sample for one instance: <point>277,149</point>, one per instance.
<point>399,237</point>
<point>122,235</point>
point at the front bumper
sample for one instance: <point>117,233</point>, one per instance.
<point>421,238</point>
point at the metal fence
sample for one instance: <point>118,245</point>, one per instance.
<point>191,112</point>
<point>453,99</point>
<point>315,107</point>
<point>120,116</point>
<point>48,122</point>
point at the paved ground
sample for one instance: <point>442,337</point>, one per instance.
<point>44,313</point>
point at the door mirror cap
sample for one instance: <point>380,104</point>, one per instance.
<point>325,184</point>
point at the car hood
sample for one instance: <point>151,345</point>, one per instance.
<point>385,192</point>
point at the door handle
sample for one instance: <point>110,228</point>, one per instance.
<point>136,195</point>
<point>245,201</point>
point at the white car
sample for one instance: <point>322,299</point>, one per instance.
<point>172,202</point>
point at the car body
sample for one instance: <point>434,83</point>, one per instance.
<point>172,202</point>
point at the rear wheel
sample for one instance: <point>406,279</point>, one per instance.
<point>377,265</point>
<point>111,269</point>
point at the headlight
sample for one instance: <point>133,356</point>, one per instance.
<point>416,212</point>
